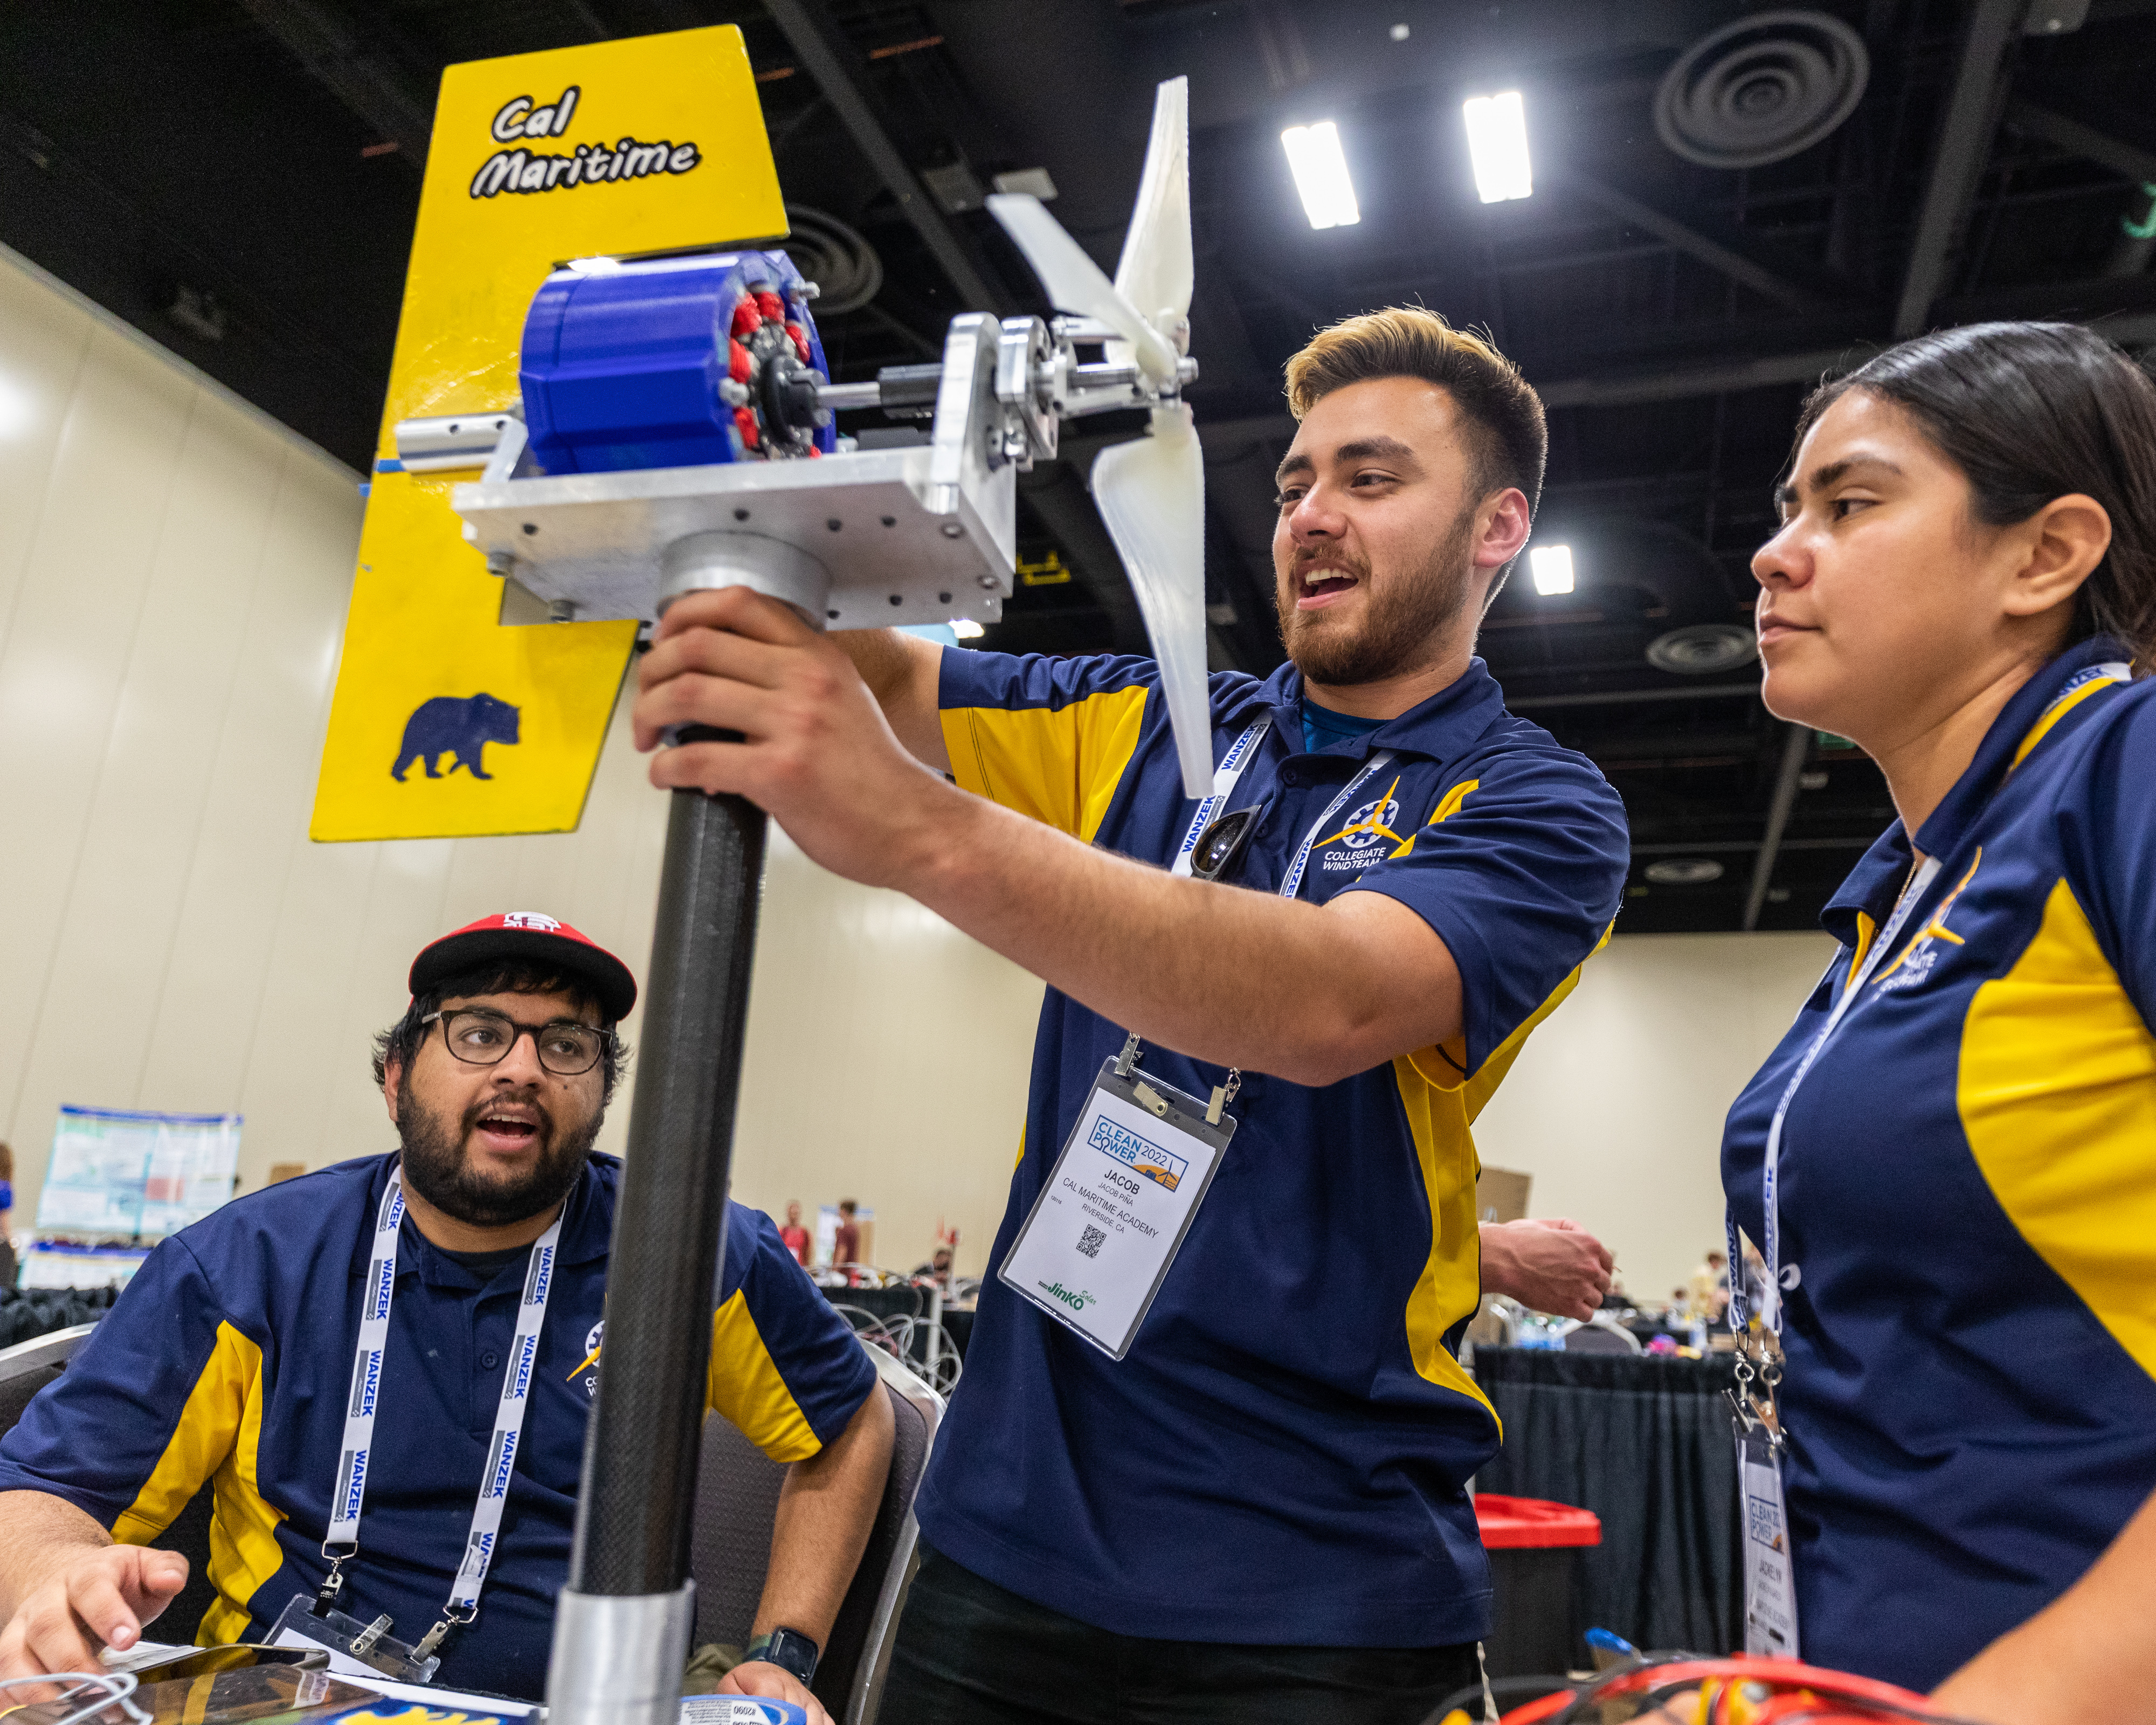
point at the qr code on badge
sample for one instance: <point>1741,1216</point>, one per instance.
<point>1089,1242</point>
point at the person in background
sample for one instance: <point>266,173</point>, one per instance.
<point>1961,1124</point>
<point>938,1265</point>
<point>231,1357</point>
<point>846,1243</point>
<point>1710,1287</point>
<point>9,1267</point>
<point>793,1236</point>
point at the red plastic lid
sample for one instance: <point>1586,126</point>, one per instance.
<point>1510,1523</point>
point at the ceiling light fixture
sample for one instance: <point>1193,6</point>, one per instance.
<point>1684,872</point>
<point>1552,567</point>
<point>1497,145</point>
<point>1321,175</point>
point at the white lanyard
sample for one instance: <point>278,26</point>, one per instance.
<point>1376,764</point>
<point>517,1382</point>
<point>2076,688</point>
<point>1770,1309</point>
<point>1224,777</point>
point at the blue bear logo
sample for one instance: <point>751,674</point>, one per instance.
<point>460,728</point>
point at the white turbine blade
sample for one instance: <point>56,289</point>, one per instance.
<point>1151,495</point>
<point>1075,283</point>
<point>1156,272</point>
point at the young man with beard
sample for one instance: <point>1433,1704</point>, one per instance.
<point>250,1347</point>
<point>1256,1507</point>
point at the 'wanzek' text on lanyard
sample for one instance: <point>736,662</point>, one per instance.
<point>343,1541</point>
<point>1225,777</point>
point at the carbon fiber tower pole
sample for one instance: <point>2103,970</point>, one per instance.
<point>621,1634</point>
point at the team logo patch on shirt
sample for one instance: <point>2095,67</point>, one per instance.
<point>1367,836</point>
<point>591,1358</point>
<point>1916,961</point>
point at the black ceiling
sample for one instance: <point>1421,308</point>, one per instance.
<point>239,177</point>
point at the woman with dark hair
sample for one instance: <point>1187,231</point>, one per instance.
<point>1949,1163</point>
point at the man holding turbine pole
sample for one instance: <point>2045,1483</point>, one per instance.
<point>1213,1441</point>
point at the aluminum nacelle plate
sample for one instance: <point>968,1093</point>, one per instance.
<point>596,540</point>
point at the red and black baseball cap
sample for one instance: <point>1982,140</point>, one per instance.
<point>532,937</point>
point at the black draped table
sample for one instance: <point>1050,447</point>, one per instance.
<point>1644,1442</point>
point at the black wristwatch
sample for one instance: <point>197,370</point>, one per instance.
<point>789,1649</point>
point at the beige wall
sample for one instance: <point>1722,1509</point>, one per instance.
<point>887,1062</point>
<point>1616,1106</point>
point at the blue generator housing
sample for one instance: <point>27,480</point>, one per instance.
<point>627,364</point>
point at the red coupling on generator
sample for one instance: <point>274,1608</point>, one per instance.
<point>739,366</point>
<point>769,303</point>
<point>747,320</point>
<point>745,424</point>
<point>800,337</point>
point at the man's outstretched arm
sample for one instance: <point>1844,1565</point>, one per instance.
<point>903,672</point>
<point>1238,979</point>
<point>826,1509</point>
<point>67,1592</point>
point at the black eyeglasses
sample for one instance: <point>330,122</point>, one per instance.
<point>479,1036</point>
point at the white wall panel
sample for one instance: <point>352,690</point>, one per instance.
<point>43,339</point>
<point>1616,1106</point>
<point>70,639</point>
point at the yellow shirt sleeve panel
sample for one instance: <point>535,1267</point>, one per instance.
<point>207,1429</point>
<point>217,1438</point>
<point>244,1553</point>
<point>1451,1286</point>
<point>746,1386</point>
<point>1059,765</point>
<point>1441,1064</point>
<point>2057,1096</point>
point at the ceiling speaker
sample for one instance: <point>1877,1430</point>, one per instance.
<point>1762,89</point>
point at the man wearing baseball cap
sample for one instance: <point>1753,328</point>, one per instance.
<point>386,1369</point>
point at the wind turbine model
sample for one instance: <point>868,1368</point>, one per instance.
<point>675,433</point>
<point>673,409</point>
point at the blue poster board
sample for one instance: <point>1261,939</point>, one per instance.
<point>127,1173</point>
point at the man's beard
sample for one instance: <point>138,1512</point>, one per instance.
<point>1401,619</point>
<point>436,1167</point>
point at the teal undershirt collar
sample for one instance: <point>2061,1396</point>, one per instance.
<point>1322,727</point>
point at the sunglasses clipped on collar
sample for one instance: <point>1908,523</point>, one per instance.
<point>1221,845</point>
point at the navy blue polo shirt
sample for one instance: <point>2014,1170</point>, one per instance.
<point>229,1356</point>
<point>1968,1197</point>
<point>1282,1455</point>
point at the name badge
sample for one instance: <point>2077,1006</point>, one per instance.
<point>364,1651</point>
<point>1770,1583</point>
<point>1112,1215</point>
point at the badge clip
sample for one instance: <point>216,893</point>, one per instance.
<point>307,1622</point>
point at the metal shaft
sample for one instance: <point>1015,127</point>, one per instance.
<point>635,1510</point>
